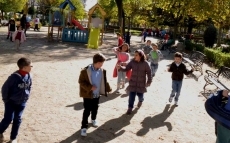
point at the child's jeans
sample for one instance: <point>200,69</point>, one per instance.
<point>222,134</point>
<point>90,105</point>
<point>12,112</point>
<point>176,88</point>
<point>154,68</point>
<point>121,77</point>
<point>132,96</point>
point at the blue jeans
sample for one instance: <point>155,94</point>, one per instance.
<point>132,96</point>
<point>176,88</point>
<point>12,112</point>
<point>154,68</point>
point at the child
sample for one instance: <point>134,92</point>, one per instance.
<point>137,83</point>
<point>19,37</point>
<point>123,58</point>
<point>36,23</point>
<point>147,48</point>
<point>15,93</point>
<point>178,70</point>
<point>119,40</point>
<point>93,83</point>
<point>11,29</point>
<point>218,107</point>
<point>154,57</point>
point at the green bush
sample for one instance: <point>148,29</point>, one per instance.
<point>189,45</point>
<point>199,47</point>
<point>217,57</point>
<point>210,36</point>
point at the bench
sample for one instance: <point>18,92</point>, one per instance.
<point>213,78</point>
<point>179,47</point>
<point>195,60</point>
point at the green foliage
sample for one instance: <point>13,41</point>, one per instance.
<point>31,10</point>
<point>12,5</point>
<point>210,36</point>
<point>217,57</point>
<point>189,45</point>
<point>199,47</point>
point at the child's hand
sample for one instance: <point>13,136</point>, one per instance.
<point>147,85</point>
<point>225,93</point>
<point>118,66</point>
<point>123,64</point>
<point>93,88</point>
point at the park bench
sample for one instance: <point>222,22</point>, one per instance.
<point>179,47</point>
<point>195,60</point>
<point>219,78</point>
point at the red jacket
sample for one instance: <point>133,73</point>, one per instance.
<point>120,41</point>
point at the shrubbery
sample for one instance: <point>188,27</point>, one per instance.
<point>210,36</point>
<point>217,57</point>
<point>191,46</point>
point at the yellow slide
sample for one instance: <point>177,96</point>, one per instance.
<point>94,38</point>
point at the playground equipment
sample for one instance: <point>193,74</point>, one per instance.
<point>96,27</point>
<point>73,31</point>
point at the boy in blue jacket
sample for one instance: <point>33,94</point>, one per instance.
<point>15,93</point>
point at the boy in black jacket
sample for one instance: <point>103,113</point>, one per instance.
<point>15,93</point>
<point>178,70</point>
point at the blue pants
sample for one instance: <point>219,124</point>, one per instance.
<point>154,68</point>
<point>12,112</point>
<point>176,88</point>
<point>132,96</point>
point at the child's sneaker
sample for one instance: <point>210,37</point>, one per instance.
<point>139,104</point>
<point>176,103</point>
<point>83,132</point>
<point>1,138</point>
<point>129,111</point>
<point>13,141</point>
<point>170,99</point>
<point>94,122</point>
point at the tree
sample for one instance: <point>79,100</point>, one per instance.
<point>12,5</point>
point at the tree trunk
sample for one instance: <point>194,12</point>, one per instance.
<point>121,15</point>
<point>219,35</point>
<point>175,30</point>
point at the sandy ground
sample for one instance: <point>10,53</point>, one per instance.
<point>54,110</point>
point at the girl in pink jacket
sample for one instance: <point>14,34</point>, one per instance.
<point>19,37</point>
<point>123,57</point>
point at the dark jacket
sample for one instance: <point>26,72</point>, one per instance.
<point>179,71</point>
<point>137,82</point>
<point>85,83</point>
<point>23,22</point>
<point>17,88</point>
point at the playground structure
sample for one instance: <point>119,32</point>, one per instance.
<point>69,29</point>
<point>96,27</point>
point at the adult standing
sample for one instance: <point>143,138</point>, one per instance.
<point>23,22</point>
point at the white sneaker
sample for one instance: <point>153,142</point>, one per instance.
<point>13,141</point>
<point>176,103</point>
<point>84,132</point>
<point>94,122</point>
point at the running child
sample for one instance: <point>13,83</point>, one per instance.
<point>11,29</point>
<point>19,37</point>
<point>154,57</point>
<point>15,93</point>
<point>137,83</point>
<point>123,57</point>
<point>178,70</point>
<point>147,48</point>
<point>93,83</point>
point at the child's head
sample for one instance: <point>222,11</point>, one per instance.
<point>98,60</point>
<point>24,64</point>
<point>148,42</point>
<point>19,27</point>
<point>178,58</point>
<point>125,48</point>
<point>139,56</point>
<point>118,35</point>
<point>155,47</point>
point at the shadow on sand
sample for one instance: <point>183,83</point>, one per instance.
<point>157,121</point>
<point>104,133</point>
